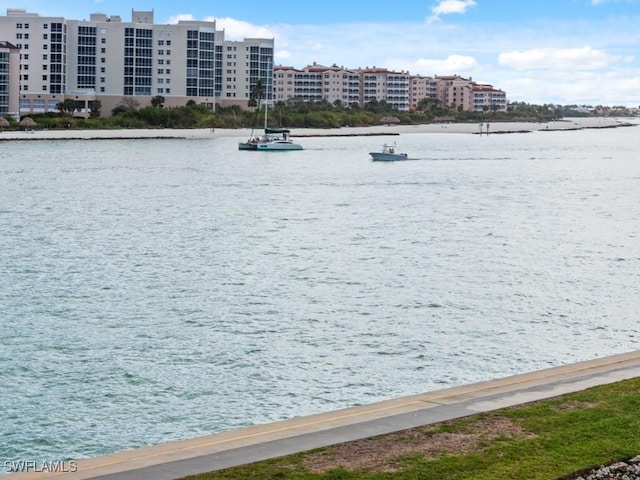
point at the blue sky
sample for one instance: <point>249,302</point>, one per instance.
<point>538,51</point>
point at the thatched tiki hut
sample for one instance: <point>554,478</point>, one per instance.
<point>27,122</point>
<point>390,120</point>
<point>3,123</point>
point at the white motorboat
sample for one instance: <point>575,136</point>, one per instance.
<point>388,154</point>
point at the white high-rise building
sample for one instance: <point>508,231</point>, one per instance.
<point>9,79</point>
<point>112,61</point>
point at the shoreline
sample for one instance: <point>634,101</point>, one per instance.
<point>567,124</point>
<point>242,446</point>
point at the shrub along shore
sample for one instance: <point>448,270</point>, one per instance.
<point>468,128</point>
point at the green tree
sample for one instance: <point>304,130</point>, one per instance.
<point>258,91</point>
<point>428,104</point>
<point>95,107</point>
<point>68,106</point>
<point>376,106</point>
<point>157,101</point>
<point>126,104</point>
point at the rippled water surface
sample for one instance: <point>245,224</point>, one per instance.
<point>153,290</point>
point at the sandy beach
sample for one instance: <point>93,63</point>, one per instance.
<point>457,128</point>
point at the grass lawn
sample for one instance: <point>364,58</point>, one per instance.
<point>544,440</point>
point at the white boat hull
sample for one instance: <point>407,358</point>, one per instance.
<point>387,157</point>
<point>279,145</point>
<point>247,146</point>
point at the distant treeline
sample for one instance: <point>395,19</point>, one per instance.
<point>296,114</point>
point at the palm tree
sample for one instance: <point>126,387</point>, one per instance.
<point>157,101</point>
<point>258,91</point>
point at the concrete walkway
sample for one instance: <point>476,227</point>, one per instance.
<point>237,447</point>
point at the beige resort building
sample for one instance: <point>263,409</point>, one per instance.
<point>402,90</point>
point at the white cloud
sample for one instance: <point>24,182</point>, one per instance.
<point>238,29</point>
<point>584,58</point>
<point>233,29</point>
<point>574,88</point>
<point>453,64</point>
<point>448,7</point>
<point>282,55</point>
<point>180,17</point>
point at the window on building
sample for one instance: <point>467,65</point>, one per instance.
<point>44,67</point>
<point>44,78</point>
<point>168,90</point>
<point>18,25</point>
<point>44,88</point>
<point>26,35</point>
<point>102,90</point>
<point>160,42</point>
<point>168,71</point>
<point>45,57</point>
<point>160,62</point>
<point>168,42</point>
<point>168,62</point>
<point>26,25</point>
<point>168,52</point>
<point>160,52</point>
<point>103,40</point>
<point>18,35</point>
<point>160,90</point>
<point>45,47</point>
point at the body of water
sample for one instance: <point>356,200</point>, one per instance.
<point>155,290</point>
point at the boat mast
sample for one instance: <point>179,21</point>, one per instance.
<point>266,93</point>
<point>266,107</point>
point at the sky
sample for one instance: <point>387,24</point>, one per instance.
<point>583,52</point>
